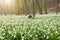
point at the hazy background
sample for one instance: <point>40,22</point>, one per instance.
<point>25,6</point>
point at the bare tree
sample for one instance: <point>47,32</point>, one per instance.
<point>17,7</point>
<point>33,7</point>
<point>36,4</point>
<point>24,7</point>
<point>57,6</point>
<point>45,6</point>
<point>39,6</point>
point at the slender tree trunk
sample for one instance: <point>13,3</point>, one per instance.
<point>17,7</point>
<point>5,10</point>
<point>57,6</point>
<point>33,7</point>
<point>45,6</point>
<point>39,6</point>
<point>24,7</point>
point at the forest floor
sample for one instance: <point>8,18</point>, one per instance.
<point>22,28</point>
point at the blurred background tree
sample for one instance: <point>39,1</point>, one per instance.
<point>45,6</point>
<point>57,6</point>
<point>17,7</point>
<point>26,7</point>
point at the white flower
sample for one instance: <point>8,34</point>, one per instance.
<point>51,33</point>
<point>9,32</point>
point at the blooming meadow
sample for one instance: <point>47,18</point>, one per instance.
<point>23,28</point>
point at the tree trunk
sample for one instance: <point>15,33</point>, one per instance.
<point>17,7</point>
<point>39,6</point>
<point>33,7</point>
<point>57,6</point>
<point>45,6</point>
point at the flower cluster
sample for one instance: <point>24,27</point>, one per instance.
<point>22,28</point>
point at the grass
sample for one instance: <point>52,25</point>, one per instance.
<point>22,28</point>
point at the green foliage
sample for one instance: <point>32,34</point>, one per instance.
<point>21,28</point>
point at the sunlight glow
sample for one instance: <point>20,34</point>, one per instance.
<point>8,1</point>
